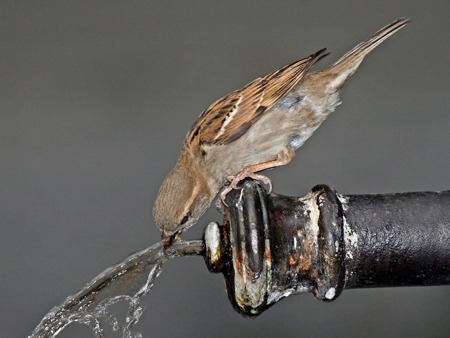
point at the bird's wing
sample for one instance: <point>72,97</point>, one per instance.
<point>230,117</point>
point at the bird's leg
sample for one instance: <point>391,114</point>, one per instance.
<point>234,181</point>
<point>247,173</point>
<point>283,157</point>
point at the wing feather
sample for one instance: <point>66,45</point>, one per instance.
<point>230,117</point>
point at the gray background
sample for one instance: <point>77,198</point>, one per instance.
<point>96,98</point>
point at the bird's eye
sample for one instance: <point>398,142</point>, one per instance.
<point>185,218</point>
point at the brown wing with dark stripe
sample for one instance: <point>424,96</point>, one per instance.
<point>230,117</point>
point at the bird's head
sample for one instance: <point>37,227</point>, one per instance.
<point>182,199</point>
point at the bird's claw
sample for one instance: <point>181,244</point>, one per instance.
<point>220,202</point>
<point>234,181</point>
<point>265,180</point>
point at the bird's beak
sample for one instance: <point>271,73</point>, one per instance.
<point>168,239</point>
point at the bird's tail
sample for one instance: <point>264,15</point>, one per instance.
<point>342,69</point>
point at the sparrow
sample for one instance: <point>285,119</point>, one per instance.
<point>254,128</point>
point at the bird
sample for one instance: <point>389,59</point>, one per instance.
<point>255,128</point>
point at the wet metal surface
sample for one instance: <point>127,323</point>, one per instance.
<point>273,246</point>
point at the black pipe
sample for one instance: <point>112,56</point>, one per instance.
<point>273,246</point>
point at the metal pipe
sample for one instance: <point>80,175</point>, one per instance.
<point>272,246</point>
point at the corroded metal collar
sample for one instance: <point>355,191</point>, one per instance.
<point>264,259</point>
<point>273,246</point>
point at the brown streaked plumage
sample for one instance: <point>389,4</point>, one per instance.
<point>251,129</point>
<point>230,117</point>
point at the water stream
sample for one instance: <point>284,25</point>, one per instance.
<point>128,280</point>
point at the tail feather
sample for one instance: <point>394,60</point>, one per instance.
<point>347,64</point>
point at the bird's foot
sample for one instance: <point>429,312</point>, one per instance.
<point>220,201</point>
<point>234,181</point>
